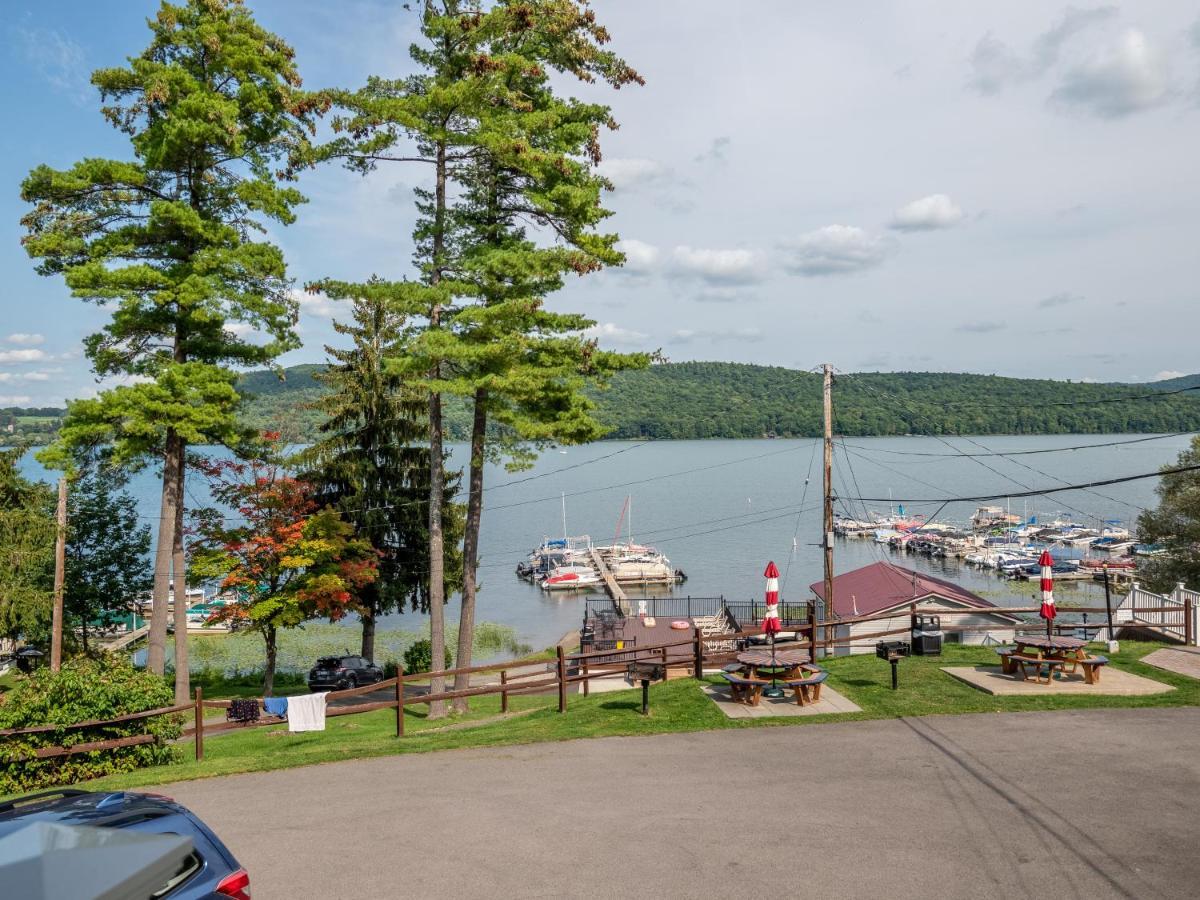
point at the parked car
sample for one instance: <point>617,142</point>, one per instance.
<point>338,673</point>
<point>209,871</point>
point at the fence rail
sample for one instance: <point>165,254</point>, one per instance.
<point>1171,614</point>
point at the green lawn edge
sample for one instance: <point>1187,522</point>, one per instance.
<point>675,707</point>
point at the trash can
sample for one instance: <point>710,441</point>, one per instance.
<point>927,636</point>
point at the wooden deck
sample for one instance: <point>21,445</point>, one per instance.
<point>610,583</point>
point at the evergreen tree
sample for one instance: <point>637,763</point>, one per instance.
<point>523,367</point>
<point>372,464</point>
<point>108,551</point>
<point>1174,523</point>
<point>166,241</point>
<point>27,533</point>
<point>427,118</point>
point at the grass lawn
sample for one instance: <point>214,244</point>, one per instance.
<point>676,706</point>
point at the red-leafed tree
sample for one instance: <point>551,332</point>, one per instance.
<point>286,560</point>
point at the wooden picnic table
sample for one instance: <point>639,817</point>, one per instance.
<point>784,663</point>
<point>1044,653</point>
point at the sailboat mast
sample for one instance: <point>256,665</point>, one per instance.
<point>564,516</point>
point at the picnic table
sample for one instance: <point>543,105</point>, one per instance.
<point>783,664</point>
<point>1045,654</point>
<point>748,681</point>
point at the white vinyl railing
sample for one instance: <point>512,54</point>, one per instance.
<point>1164,613</point>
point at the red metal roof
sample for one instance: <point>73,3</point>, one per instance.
<point>883,585</point>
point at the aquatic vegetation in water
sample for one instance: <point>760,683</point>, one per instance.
<point>243,653</point>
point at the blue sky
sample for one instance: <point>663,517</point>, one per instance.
<point>883,185</point>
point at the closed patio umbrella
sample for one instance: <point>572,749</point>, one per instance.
<point>1047,611</point>
<point>771,624</point>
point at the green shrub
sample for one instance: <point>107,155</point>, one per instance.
<point>419,657</point>
<point>85,689</point>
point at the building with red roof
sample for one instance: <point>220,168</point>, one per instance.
<point>888,590</point>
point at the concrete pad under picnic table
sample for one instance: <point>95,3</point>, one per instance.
<point>831,702</point>
<point>1180,660</point>
<point>1113,682</point>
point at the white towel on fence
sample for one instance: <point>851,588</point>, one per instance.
<point>306,712</point>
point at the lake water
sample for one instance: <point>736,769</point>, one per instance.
<point>720,509</point>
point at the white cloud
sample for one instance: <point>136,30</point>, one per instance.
<point>22,356</point>
<point>980,327</point>
<point>58,59</point>
<point>14,399</point>
<point>11,377</point>
<point>1128,77</point>
<point>633,171</point>
<point>719,266</point>
<point>993,65</point>
<point>1168,374</point>
<point>835,250</point>
<point>927,214</point>
<point>25,340</point>
<point>716,150</point>
<point>611,333</point>
<point>239,329</point>
<point>1060,299</point>
<point>746,335</point>
<point>640,257</point>
<point>316,304</point>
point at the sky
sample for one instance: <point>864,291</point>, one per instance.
<point>887,185</point>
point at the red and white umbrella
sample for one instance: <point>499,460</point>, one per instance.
<point>1047,611</point>
<point>771,624</point>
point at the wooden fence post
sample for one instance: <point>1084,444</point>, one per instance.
<point>199,723</point>
<point>504,694</point>
<point>1188,635</point>
<point>586,680</point>
<point>698,656</point>
<point>562,680</point>
<point>399,701</point>
<point>665,664</point>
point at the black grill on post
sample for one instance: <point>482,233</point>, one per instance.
<point>893,652</point>
<point>645,673</point>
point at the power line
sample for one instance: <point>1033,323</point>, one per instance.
<point>1035,492</point>
<point>1156,437</point>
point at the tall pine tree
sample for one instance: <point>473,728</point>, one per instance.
<point>526,217</point>
<point>166,241</point>
<point>372,464</point>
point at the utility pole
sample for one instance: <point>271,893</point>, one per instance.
<point>827,539</point>
<point>60,565</point>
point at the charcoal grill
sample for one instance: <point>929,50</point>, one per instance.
<point>893,652</point>
<point>645,673</point>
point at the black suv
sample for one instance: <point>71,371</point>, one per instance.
<point>337,673</point>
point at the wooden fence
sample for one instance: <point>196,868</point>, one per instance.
<point>530,676</point>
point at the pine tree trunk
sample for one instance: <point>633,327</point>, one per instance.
<point>437,473</point>
<point>85,647</point>
<point>179,572</point>
<point>272,650</point>
<point>368,631</point>
<point>466,621</point>
<point>156,654</point>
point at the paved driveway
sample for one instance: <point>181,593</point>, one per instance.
<point>1070,804</point>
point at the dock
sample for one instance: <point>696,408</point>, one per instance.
<point>610,583</point>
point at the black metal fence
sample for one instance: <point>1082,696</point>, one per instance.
<point>749,613</point>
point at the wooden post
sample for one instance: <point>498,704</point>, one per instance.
<point>698,656</point>
<point>399,701</point>
<point>60,565</point>
<point>586,680</point>
<point>812,632</point>
<point>199,723</point>
<point>562,680</point>
<point>827,524</point>
<point>1188,635</point>
<point>504,694</point>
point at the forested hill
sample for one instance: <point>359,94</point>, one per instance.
<point>733,400</point>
